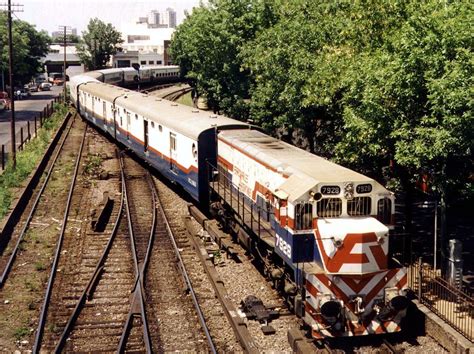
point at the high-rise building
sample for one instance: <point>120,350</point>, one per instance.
<point>154,18</point>
<point>170,17</point>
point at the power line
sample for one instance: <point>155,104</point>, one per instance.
<point>11,8</point>
<point>66,29</point>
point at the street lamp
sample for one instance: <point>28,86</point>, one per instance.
<point>136,66</point>
<point>427,204</point>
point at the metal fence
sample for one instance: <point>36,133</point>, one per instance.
<point>25,134</point>
<point>453,305</point>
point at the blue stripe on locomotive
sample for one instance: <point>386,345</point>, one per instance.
<point>301,246</point>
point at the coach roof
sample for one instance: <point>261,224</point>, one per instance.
<point>105,91</point>
<point>182,119</point>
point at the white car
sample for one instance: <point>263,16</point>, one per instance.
<point>45,86</point>
<point>3,104</point>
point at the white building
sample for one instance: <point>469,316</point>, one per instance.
<point>146,41</point>
<point>54,60</point>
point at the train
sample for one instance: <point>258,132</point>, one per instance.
<point>130,77</point>
<point>321,231</point>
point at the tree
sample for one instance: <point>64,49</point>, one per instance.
<point>207,46</point>
<point>98,43</point>
<point>29,47</point>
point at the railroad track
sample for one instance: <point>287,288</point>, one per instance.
<point>11,250</point>
<point>105,299</point>
<point>176,94</point>
<point>54,266</point>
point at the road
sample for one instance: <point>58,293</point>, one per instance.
<point>25,110</point>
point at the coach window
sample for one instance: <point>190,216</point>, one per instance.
<point>160,128</point>
<point>303,216</point>
<point>104,109</point>
<point>329,207</point>
<point>359,206</point>
<point>152,124</point>
<point>136,116</point>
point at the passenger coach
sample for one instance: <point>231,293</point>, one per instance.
<point>177,140</point>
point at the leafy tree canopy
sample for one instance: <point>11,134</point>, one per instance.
<point>29,46</point>
<point>98,43</point>
<point>207,46</point>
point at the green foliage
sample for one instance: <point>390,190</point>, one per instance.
<point>207,47</point>
<point>27,159</point>
<point>21,332</point>
<point>98,43</point>
<point>29,46</point>
<point>92,165</point>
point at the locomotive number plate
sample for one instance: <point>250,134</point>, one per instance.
<point>330,190</point>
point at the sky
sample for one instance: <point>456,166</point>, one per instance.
<point>50,14</point>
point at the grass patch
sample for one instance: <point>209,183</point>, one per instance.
<point>39,266</point>
<point>27,159</point>
<point>186,100</point>
<point>21,332</point>
<point>92,165</point>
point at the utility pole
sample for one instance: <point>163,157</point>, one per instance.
<point>66,30</point>
<point>10,62</point>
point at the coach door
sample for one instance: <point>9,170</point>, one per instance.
<point>173,153</point>
<point>128,125</point>
<point>145,135</point>
<point>92,109</point>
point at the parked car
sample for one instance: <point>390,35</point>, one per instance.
<point>58,81</point>
<point>22,93</point>
<point>33,88</point>
<point>45,86</point>
<point>3,104</point>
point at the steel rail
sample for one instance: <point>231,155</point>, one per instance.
<point>389,346</point>
<point>12,257</point>
<point>239,327</point>
<point>187,280</point>
<point>138,288</point>
<point>173,96</point>
<point>44,308</point>
<point>89,290</point>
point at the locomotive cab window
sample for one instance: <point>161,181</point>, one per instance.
<point>303,216</point>
<point>384,210</point>
<point>329,207</point>
<point>359,206</point>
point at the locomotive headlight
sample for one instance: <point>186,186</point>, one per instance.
<point>349,191</point>
<point>395,299</point>
<point>337,242</point>
<point>329,308</point>
<point>390,293</point>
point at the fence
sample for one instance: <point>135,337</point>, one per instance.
<point>453,305</point>
<point>25,134</point>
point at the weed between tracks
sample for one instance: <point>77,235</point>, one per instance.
<point>27,159</point>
